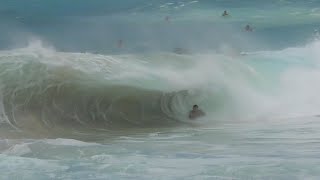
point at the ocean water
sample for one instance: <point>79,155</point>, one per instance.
<point>102,89</point>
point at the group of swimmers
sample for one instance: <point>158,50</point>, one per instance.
<point>195,112</point>
<point>225,13</point>
<point>247,28</point>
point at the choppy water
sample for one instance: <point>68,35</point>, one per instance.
<point>97,89</point>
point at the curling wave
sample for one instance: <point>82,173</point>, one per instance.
<point>41,88</point>
<point>44,89</point>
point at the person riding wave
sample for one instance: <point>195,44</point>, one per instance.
<point>196,112</point>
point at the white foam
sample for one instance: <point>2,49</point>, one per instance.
<point>18,150</point>
<point>68,142</point>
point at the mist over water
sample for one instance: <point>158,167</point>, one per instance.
<point>102,89</point>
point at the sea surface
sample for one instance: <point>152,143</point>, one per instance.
<point>101,89</point>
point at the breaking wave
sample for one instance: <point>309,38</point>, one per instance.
<point>45,89</point>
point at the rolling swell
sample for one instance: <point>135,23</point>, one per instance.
<point>39,94</point>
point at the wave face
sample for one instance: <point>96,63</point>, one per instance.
<point>61,68</point>
<point>70,89</point>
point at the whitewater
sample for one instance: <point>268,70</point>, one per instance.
<point>102,89</point>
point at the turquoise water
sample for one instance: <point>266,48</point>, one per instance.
<point>75,103</point>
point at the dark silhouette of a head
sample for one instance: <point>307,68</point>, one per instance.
<point>195,107</point>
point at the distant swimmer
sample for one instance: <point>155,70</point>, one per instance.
<point>248,28</point>
<point>225,13</point>
<point>167,18</point>
<point>120,43</point>
<point>196,113</point>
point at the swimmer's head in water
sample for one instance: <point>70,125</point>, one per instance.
<point>195,107</point>
<point>225,13</point>
<point>248,28</point>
